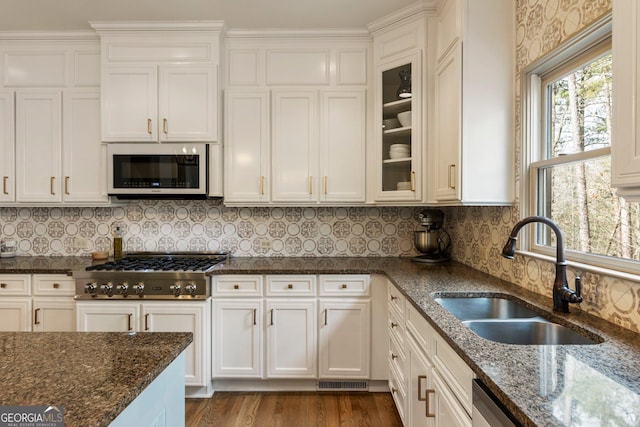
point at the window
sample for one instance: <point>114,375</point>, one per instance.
<point>569,147</point>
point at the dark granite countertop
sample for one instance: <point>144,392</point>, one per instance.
<point>44,264</point>
<point>559,385</point>
<point>94,375</point>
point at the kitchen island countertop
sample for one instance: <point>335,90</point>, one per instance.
<point>94,375</point>
<point>545,385</point>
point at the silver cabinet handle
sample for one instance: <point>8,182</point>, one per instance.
<point>164,126</point>
<point>149,126</point>
<point>4,185</point>
<point>52,182</point>
<point>66,185</point>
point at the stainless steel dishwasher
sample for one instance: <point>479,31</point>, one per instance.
<point>487,411</point>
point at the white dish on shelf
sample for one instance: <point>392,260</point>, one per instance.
<point>405,118</point>
<point>395,147</point>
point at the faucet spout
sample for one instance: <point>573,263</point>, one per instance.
<point>562,294</point>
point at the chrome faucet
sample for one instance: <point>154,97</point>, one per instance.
<point>562,294</point>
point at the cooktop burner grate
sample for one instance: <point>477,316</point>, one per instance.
<point>161,262</point>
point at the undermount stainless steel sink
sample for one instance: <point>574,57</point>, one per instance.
<point>510,322</point>
<point>474,308</point>
<point>526,332</point>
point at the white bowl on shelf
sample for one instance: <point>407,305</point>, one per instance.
<point>405,118</point>
<point>394,155</point>
<point>399,147</point>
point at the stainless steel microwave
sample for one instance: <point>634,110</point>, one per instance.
<point>144,170</point>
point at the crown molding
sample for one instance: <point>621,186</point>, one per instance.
<point>111,28</point>
<point>48,36</point>
<point>408,13</point>
<point>347,33</point>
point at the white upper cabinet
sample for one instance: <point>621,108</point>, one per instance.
<point>296,118</point>
<point>7,146</point>
<point>342,143</point>
<point>38,145</point>
<point>397,154</point>
<point>54,153</point>
<point>247,129</point>
<point>165,103</point>
<point>84,160</point>
<point>471,141</point>
<point>160,81</point>
<point>625,137</point>
<point>294,145</point>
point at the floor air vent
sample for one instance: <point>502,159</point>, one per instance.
<point>343,385</point>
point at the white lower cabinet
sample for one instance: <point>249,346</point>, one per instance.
<point>291,338</point>
<point>438,382</point>
<point>345,344</point>
<point>237,338</point>
<point>159,316</point>
<point>39,303</point>
<point>276,327</point>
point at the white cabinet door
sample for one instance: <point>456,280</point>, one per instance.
<point>182,317</point>
<point>84,157</point>
<point>247,129</point>
<point>625,138</point>
<point>291,338</point>
<point>107,317</point>
<point>15,314</point>
<point>342,146</point>
<point>447,409</point>
<point>420,391</point>
<point>7,147</point>
<point>187,103</point>
<point>54,314</point>
<point>294,146</point>
<point>38,146</point>
<point>237,346</point>
<point>345,343</point>
<point>448,93</point>
<point>129,103</point>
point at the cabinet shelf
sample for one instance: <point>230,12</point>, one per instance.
<point>394,107</point>
<point>403,131</point>
<point>397,161</point>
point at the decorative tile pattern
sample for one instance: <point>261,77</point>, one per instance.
<point>210,226</point>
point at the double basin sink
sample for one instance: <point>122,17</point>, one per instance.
<point>509,321</point>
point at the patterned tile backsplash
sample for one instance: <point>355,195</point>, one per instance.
<point>210,226</point>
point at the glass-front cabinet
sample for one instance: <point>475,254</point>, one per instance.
<point>399,130</point>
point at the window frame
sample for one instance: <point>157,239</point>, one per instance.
<point>593,41</point>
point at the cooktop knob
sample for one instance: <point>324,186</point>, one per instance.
<point>123,288</point>
<point>176,288</point>
<point>107,288</point>
<point>138,288</point>
<point>90,288</point>
<point>190,289</point>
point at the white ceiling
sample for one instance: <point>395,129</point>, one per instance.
<point>65,15</point>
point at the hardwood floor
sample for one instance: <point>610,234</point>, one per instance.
<point>231,409</point>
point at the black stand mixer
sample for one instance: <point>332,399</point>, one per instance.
<point>433,241</point>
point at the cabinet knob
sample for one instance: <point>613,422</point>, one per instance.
<point>394,356</point>
<point>289,286</point>
<point>393,325</point>
<point>393,297</point>
<point>56,285</point>
<point>236,286</point>
<point>344,286</point>
<point>3,285</point>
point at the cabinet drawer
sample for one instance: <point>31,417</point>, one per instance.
<point>237,286</point>
<point>396,327</point>
<point>454,371</point>
<point>398,393</point>
<point>396,299</point>
<point>291,286</point>
<point>340,285</point>
<point>52,285</point>
<point>15,285</point>
<point>419,328</point>
<point>397,360</point>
